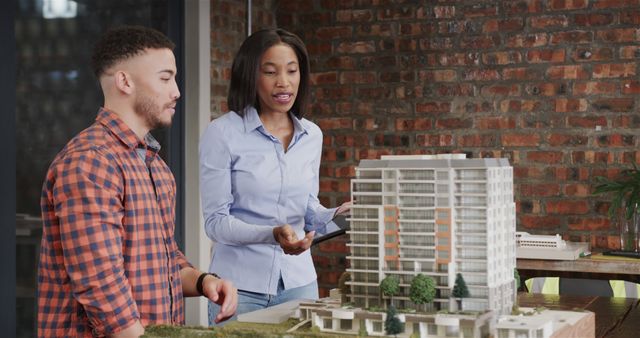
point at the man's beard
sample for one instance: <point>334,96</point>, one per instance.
<point>150,112</point>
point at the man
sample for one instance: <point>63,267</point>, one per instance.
<point>109,264</point>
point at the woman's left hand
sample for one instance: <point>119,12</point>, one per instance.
<point>344,208</point>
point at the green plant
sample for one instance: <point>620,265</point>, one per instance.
<point>422,289</point>
<point>624,189</point>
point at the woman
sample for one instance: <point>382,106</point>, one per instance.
<point>259,167</point>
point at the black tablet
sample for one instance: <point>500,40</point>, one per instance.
<point>338,226</point>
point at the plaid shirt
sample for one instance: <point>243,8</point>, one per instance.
<point>108,253</point>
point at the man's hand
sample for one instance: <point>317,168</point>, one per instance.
<point>289,241</point>
<point>135,330</point>
<point>223,293</point>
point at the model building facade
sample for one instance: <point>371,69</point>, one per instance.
<point>435,215</point>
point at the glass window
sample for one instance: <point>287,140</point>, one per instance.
<point>376,326</point>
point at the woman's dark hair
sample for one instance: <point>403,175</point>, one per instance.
<point>246,64</point>
<point>123,42</point>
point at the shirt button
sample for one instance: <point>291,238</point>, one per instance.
<point>171,278</point>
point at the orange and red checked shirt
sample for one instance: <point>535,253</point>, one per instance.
<point>108,253</point>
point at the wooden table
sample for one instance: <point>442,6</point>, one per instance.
<point>585,267</point>
<point>615,317</point>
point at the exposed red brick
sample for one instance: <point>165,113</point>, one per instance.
<point>527,40</point>
<point>458,59</point>
<point>614,104</point>
<point>324,78</point>
<point>523,7</point>
<point>335,123</point>
<point>396,13</point>
<point>433,107</point>
<point>602,4</point>
<point>593,19</point>
<point>559,5</point>
<point>573,37</point>
<point>546,55</point>
<point>618,35</point>
<point>486,140</point>
<point>502,25</point>
<point>567,72</point>
<point>410,124</point>
<point>443,75</point>
<point>544,156</point>
<point>577,190</point>
<point>548,21</point>
<point>630,17</point>
<point>481,75</point>
<point>373,30</point>
<point>329,33</point>
<point>594,88</point>
<point>480,10</point>
<point>520,140</point>
<point>501,58</point>
<point>567,207</point>
<point>588,224</point>
<point>518,105</point>
<point>546,89</point>
<point>631,87</point>
<point>500,90</point>
<point>479,42</point>
<point>495,123</point>
<point>629,52</point>
<point>434,140</point>
<point>557,140</point>
<point>540,222</point>
<point>357,77</point>
<point>353,15</point>
<point>521,74</point>
<point>614,70</point>
<point>540,189</point>
<point>586,121</point>
<point>590,54</point>
<point>570,105</point>
<point>444,12</point>
<point>358,47</point>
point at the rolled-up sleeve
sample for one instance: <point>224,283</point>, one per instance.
<point>88,203</point>
<point>215,191</point>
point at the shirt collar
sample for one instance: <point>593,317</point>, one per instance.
<point>252,121</point>
<point>120,129</point>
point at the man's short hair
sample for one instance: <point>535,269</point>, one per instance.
<point>124,42</point>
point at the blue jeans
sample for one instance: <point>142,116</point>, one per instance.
<point>252,301</point>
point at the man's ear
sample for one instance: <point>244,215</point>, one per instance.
<point>124,82</point>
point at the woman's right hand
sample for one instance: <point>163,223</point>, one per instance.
<point>289,241</point>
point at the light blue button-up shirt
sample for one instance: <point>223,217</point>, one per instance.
<point>249,185</point>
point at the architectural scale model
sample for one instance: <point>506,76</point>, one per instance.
<point>436,216</point>
<point>548,247</point>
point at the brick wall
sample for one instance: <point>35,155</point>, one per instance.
<point>228,30</point>
<point>551,85</point>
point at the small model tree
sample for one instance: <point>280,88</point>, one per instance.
<point>460,290</point>
<point>392,325</point>
<point>516,276</point>
<point>390,286</point>
<point>422,290</point>
<point>343,286</point>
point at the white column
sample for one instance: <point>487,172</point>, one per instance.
<point>197,94</point>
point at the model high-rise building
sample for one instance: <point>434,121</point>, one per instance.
<point>435,215</point>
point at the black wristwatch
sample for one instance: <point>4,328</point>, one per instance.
<point>201,278</point>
